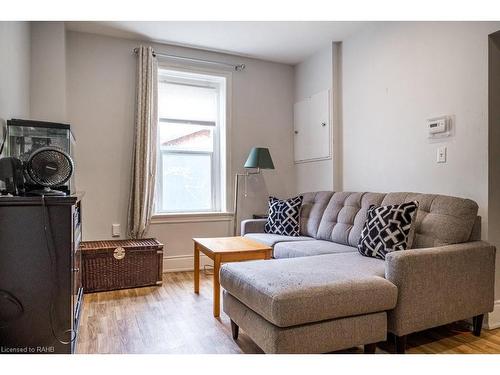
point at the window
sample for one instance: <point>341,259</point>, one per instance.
<point>191,142</point>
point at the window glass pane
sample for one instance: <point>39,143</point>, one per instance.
<point>186,182</point>
<point>174,136</point>
<point>183,102</point>
<point>191,173</point>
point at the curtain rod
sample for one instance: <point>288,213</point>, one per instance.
<point>237,68</point>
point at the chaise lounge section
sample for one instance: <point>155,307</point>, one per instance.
<point>310,305</point>
<point>321,295</point>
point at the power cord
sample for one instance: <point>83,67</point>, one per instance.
<point>6,296</point>
<point>53,268</point>
<point>4,138</point>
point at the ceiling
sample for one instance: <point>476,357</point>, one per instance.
<point>288,42</point>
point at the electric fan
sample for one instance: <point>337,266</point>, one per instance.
<point>49,167</point>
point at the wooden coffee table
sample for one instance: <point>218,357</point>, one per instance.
<point>223,250</point>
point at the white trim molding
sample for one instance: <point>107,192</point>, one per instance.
<point>198,217</point>
<point>226,136</point>
<point>493,320</point>
<point>177,263</point>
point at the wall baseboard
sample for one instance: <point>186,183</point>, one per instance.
<point>178,263</point>
<point>493,320</point>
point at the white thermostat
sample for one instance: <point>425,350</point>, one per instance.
<point>439,127</point>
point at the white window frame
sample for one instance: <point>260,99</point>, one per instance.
<point>220,163</point>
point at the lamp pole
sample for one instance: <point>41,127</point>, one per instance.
<point>236,184</point>
<point>258,158</point>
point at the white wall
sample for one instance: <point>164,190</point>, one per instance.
<point>48,71</point>
<point>395,76</point>
<point>101,87</point>
<point>14,70</point>
<point>311,77</point>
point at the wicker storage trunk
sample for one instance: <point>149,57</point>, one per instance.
<point>120,264</point>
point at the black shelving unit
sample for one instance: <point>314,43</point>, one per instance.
<point>40,281</point>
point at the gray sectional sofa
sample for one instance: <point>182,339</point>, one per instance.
<point>320,295</point>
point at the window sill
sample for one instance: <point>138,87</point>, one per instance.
<point>191,217</point>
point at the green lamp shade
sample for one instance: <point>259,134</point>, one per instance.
<point>259,157</point>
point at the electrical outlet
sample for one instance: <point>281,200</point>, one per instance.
<point>441,154</point>
<point>115,230</point>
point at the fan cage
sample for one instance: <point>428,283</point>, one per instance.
<point>49,167</point>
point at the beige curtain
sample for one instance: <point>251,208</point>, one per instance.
<point>142,191</point>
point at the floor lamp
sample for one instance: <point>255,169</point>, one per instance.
<point>259,158</point>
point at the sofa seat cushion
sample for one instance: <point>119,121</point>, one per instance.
<point>271,239</point>
<point>309,248</point>
<point>289,292</point>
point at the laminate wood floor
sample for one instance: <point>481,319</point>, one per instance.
<point>173,319</point>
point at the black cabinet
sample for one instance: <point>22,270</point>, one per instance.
<point>40,280</point>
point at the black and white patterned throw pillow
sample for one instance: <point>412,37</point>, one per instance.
<point>387,229</point>
<point>284,216</point>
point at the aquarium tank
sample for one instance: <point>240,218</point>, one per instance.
<point>26,136</point>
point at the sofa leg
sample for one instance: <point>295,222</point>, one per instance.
<point>370,348</point>
<point>234,330</point>
<point>477,324</point>
<point>400,344</point>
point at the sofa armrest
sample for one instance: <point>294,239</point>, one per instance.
<point>440,285</point>
<point>252,226</point>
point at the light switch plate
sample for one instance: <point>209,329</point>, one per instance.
<point>441,154</point>
<point>115,230</point>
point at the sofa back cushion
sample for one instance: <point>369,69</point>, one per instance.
<point>313,207</point>
<point>345,216</point>
<point>440,220</point>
